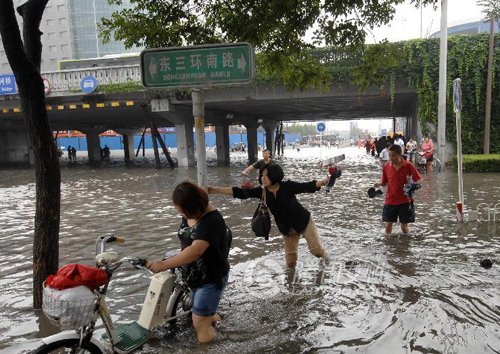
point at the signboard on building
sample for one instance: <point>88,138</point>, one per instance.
<point>7,84</point>
<point>198,66</point>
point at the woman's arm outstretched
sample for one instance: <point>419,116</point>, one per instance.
<point>220,190</point>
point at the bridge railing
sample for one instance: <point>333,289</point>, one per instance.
<point>65,81</point>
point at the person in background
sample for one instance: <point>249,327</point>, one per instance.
<point>73,154</point>
<point>205,240</point>
<point>70,156</point>
<point>395,175</point>
<point>398,140</point>
<point>259,165</point>
<point>105,152</point>
<point>292,219</point>
<point>384,154</point>
<point>411,150</point>
<point>427,151</point>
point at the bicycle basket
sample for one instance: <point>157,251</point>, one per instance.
<point>69,308</point>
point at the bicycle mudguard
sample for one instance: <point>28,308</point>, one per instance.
<point>74,335</point>
<point>172,301</point>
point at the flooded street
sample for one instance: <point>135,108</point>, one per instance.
<point>423,293</point>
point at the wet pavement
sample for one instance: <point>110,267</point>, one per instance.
<point>424,292</point>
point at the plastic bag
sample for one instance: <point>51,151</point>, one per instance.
<point>72,275</point>
<point>69,307</point>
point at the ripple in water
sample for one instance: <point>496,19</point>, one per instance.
<point>419,293</point>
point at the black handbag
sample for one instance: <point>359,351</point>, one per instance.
<point>261,221</point>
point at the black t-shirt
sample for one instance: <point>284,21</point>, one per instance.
<point>286,209</point>
<point>212,229</point>
<point>259,165</point>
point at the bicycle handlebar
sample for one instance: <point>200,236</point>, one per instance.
<point>104,239</point>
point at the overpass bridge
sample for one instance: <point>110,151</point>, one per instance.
<point>128,113</point>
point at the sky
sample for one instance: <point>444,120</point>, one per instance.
<point>406,22</point>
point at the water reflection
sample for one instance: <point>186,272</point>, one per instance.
<point>424,292</point>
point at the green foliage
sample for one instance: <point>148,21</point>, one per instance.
<point>277,29</point>
<point>375,65</point>
<point>301,129</point>
<point>128,87</point>
<point>417,63</point>
<point>294,71</point>
<point>480,163</point>
<point>491,8</point>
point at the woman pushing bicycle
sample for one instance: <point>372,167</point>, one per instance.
<point>291,217</point>
<point>205,241</point>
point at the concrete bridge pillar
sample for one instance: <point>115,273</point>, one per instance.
<point>251,140</point>
<point>128,143</point>
<point>184,123</point>
<point>270,127</point>
<point>413,128</point>
<point>222,143</point>
<point>15,148</point>
<point>93,144</point>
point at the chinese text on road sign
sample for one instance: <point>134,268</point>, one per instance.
<point>7,84</point>
<point>198,66</point>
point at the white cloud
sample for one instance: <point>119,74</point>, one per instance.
<point>408,23</point>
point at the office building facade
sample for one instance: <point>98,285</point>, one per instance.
<point>70,32</point>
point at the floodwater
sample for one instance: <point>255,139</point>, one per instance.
<point>423,293</point>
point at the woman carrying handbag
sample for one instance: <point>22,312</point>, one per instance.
<point>291,217</point>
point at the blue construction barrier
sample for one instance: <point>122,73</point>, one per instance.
<point>116,142</point>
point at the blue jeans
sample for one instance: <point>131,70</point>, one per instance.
<point>206,298</point>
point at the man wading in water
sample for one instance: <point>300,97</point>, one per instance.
<point>395,175</point>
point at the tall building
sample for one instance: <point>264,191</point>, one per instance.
<point>70,32</point>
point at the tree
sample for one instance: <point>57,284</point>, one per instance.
<point>24,56</point>
<point>492,12</point>
<point>277,29</point>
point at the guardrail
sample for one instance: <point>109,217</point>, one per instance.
<point>69,80</point>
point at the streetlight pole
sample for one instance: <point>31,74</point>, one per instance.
<point>443,50</point>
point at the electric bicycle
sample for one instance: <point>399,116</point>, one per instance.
<point>167,300</point>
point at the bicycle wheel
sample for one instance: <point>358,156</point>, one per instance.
<point>182,306</point>
<point>68,346</point>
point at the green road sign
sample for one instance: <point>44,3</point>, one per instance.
<point>198,66</point>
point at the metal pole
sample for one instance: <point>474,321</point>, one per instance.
<point>443,49</point>
<point>487,115</point>
<point>460,204</point>
<point>199,125</point>
<point>96,31</point>
<point>421,6</point>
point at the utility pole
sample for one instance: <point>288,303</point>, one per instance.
<point>443,51</point>
<point>487,115</point>
<point>199,127</point>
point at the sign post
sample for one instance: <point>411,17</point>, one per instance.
<point>320,128</point>
<point>457,106</point>
<point>197,68</point>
